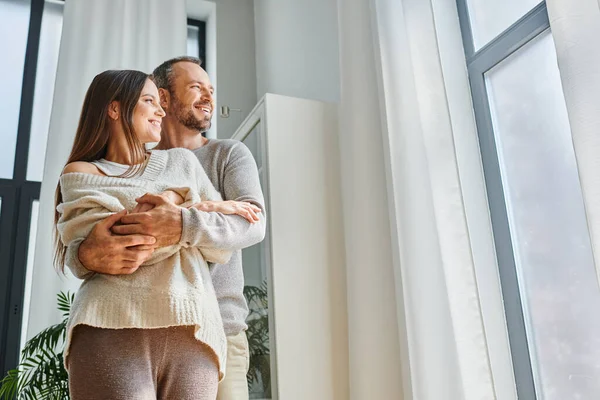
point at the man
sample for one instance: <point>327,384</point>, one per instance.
<point>186,95</point>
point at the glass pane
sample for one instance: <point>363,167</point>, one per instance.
<point>14,24</point>
<point>557,277</point>
<point>193,47</point>
<point>44,88</point>
<point>252,142</point>
<point>489,18</point>
<point>35,207</point>
<point>256,293</point>
<point>255,276</point>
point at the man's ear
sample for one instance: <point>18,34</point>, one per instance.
<point>114,110</point>
<point>165,98</point>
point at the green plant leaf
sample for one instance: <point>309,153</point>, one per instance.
<point>9,384</point>
<point>41,373</point>
<point>258,336</point>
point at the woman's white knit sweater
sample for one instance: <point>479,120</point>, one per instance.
<point>173,287</point>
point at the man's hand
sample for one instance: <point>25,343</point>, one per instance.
<point>105,253</point>
<point>229,207</point>
<point>163,221</point>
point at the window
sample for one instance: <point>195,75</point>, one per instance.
<point>256,262</point>
<point>35,207</point>
<point>196,40</point>
<point>11,73</point>
<point>489,18</point>
<point>193,48</point>
<point>547,273</point>
<point>196,47</point>
<point>27,81</point>
<point>44,88</point>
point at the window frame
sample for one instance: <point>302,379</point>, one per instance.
<point>15,212</point>
<point>479,62</point>
<point>201,25</point>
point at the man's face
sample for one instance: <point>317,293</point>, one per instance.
<point>192,102</point>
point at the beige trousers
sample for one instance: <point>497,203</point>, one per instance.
<point>235,386</point>
<point>141,364</point>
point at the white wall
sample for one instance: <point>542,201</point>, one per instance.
<point>236,63</point>
<point>297,48</point>
<point>234,72</point>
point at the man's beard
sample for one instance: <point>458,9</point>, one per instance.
<point>187,118</point>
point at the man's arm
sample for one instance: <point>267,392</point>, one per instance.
<point>106,253</point>
<point>212,229</point>
<point>171,224</point>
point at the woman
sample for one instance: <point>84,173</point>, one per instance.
<point>156,333</point>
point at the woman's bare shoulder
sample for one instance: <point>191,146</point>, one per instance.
<point>82,166</point>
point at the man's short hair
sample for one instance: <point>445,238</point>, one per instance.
<point>163,74</point>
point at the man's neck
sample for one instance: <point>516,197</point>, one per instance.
<point>175,134</point>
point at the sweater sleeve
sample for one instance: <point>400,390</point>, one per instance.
<point>80,211</point>
<point>206,191</point>
<point>87,201</point>
<point>240,183</point>
<point>72,261</point>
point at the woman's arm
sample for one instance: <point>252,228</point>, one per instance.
<point>86,215</point>
<point>241,183</point>
<point>171,195</point>
<point>244,209</point>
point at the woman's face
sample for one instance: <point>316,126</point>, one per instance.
<point>148,114</point>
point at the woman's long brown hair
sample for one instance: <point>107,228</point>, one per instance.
<point>91,138</point>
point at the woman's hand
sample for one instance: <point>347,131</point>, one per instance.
<point>170,196</point>
<point>244,209</point>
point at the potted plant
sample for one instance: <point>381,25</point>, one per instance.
<point>259,373</point>
<point>41,373</point>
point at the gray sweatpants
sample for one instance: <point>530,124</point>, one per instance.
<point>141,364</point>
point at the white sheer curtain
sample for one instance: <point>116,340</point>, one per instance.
<point>96,36</point>
<point>576,30</point>
<point>416,326</point>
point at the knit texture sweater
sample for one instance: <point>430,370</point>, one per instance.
<point>173,287</point>
<point>231,168</point>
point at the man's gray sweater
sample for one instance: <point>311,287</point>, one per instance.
<point>232,170</point>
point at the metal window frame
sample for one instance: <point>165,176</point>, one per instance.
<point>201,25</point>
<point>22,216</point>
<point>478,63</point>
<point>17,195</point>
<point>7,218</point>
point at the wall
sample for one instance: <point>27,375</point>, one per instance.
<point>235,62</point>
<point>234,72</point>
<point>297,48</point>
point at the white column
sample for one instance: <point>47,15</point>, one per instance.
<point>96,36</point>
